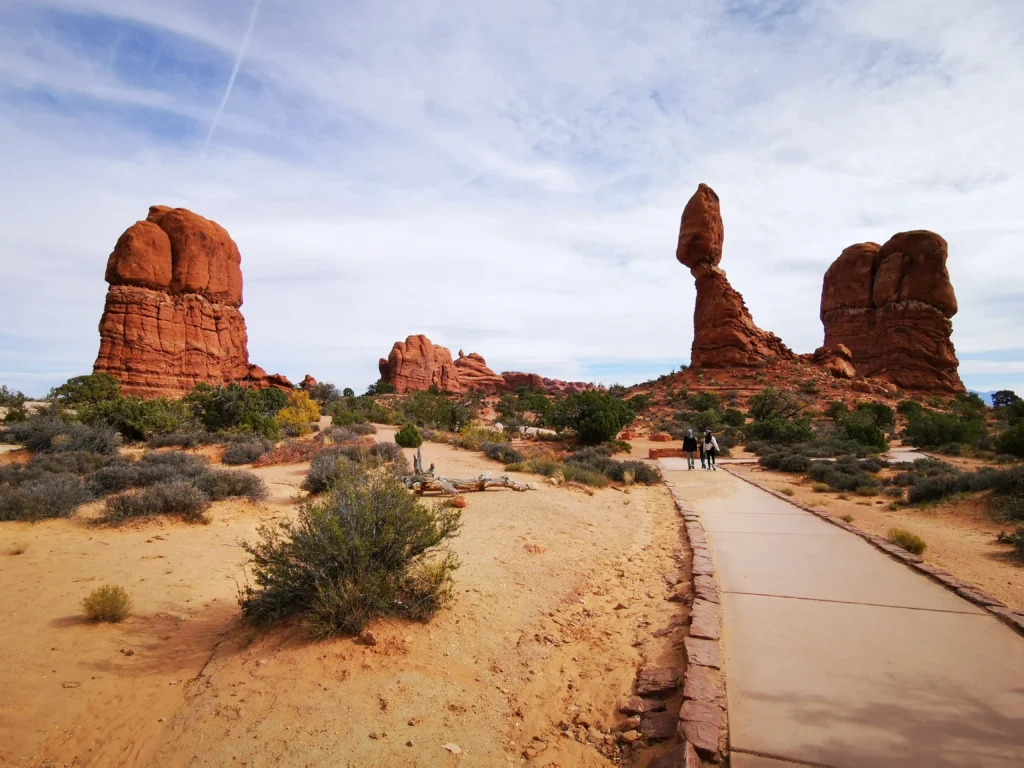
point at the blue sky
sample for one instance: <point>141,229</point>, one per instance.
<point>507,180</point>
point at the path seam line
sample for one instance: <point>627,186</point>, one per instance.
<point>855,602</point>
<point>770,756</point>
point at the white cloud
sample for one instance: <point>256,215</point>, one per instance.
<point>507,179</point>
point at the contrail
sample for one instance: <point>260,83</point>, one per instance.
<point>234,74</point>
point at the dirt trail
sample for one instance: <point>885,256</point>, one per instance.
<point>556,601</point>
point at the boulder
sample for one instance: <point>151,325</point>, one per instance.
<point>837,360</point>
<point>171,317</point>
<point>724,333</point>
<point>417,364</point>
<point>308,383</point>
<point>891,306</point>
<point>474,375</point>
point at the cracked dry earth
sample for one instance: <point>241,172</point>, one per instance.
<point>561,597</point>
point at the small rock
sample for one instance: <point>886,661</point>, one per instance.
<point>621,606</point>
<point>595,736</point>
<point>455,749</point>
<point>409,743</point>
<point>631,723</point>
<point>373,735</point>
<point>459,502</point>
<point>414,721</point>
<point>630,736</point>
<point>127,651</point>
<point>366,637</point>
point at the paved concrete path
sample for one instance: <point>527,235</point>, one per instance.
<point>838,655</point>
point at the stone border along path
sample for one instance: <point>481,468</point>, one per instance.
<point>702,718</point>
<point>841,658</point>
<point>966,590</point>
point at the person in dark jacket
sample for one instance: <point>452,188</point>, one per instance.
<point>710,446</point>
<point>700,449</point>
<point>690,448</point>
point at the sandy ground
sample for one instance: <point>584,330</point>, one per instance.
<point>961,535</point>
<point>556,601</point>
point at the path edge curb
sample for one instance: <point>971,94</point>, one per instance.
<point>703,717</point>
<point>964,589</point>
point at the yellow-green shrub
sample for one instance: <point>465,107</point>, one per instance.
<point>301,411</point>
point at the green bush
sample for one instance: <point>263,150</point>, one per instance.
<point>861,427</point>
<point>48,433</point>
<point>595,417</point>
<point>177,498</point>
<point>778,431</point>
<point>325,393</point>
<point>708,420</point>
<point>581,474</point>
<point>881,413</point>
<point>10,398</point>
<point>367,549</point>
<point>930,429</point>
<point>909,408</point>
<point>135,418</point>
<point>94,388</point>
<point>108,603</point>
<point>704,401</point>
<point>433,410</point>
<point>233,407</point>
<point>771,403</point>
<point>1016,540</point>
<point>409,437</point>
<point>1011,441</point>
<point>733,417</point>
<point>907,540</point>
<point>841,476</point>
<point>836,410</point>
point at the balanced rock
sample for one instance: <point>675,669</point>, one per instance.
<point>308,382</point>
<point>891,307</point>
<point>724,333</point>
<point>171,317</point>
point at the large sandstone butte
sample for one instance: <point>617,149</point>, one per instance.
<point>171,318</point>
<point>724,333</point>
<point>418,364</point>
<point>890,306</point>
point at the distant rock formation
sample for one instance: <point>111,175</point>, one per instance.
<point>418,364</point>
<point>308,383</point>
<point>171,318</point>
<point>724,333</point>
<point>890,306</point>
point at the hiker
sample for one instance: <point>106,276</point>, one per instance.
<point>710,446</point>
<point>700,448</point>
<point>690,448</point>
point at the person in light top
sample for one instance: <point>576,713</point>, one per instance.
<point>710,449</point>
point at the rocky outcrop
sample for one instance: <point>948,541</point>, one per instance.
<point>891,307</point>
<point>308,383</point>
<point>171,318</point>
<point>837,360</point>
<point>418,364</point>
<point>474,375</point>
<point>724,333</point>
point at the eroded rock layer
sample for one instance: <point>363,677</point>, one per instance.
<point>171,317</point>
<point>891,307</point>
<point>724,333</point>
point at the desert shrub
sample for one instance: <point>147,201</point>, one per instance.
<point>114,477</point>
<point>907,540</point>
<point>435,410</point>
<point>809,387</point>
<point>642,472</point>
<point>733,417</point>
<point>909,408</point>
<point>771,404</point>
<point>881,413</point>
<point>1011,441</point>
<point>245,452</point>
<point>48,433</point>
<point>579,473</point>
<point>760,447</point>
<point>708,420</point>
<point>135,418</point>
<point>42,498</point>
<point>325,469</point>
<point>595,417</point>
<point>703,401</point>
<point>77,463</point>
<point>232,483</point>
<point>872,464</point>
<point>182,439</point>
<point>1015,539</point>
<point>866,490</point>
<point>929,429</point>
<point>233,407</point>
<point>93,388</point>
<point>178,498</point>
<point>367,549</point>
<point>836,410</point>
<point>847,518</point>
<point>363,429</point>
<point>820,487</point>
<point>1009,493</point>
<point>778,431</point>
<point>173,464</point>
<point>381,388</point>
<point>544,467</point>
<point>841,476</point>
<point>409,437</point>
<point>950,449</point>
<point>502,452</point>
<point>342,434</point>
<point>108,603</point>
<point>598,460</point>
<point>295,418</point>
<point>15,415</point>
<point>860,426</point>
<point>9,398</point>
<point>788,491</point>
<point>894,491</point>
<point>324,393</point>
<point>290,452</point>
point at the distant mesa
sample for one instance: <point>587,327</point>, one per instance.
<point>724,333</point>
<point>171,317</point>
<point>891,307</point>
<point>419,364</point>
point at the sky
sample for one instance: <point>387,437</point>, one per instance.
<point>506,178</point>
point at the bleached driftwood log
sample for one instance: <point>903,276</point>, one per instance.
<point>424,481</point>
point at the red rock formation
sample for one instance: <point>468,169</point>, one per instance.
<point>837,360</point>
<point>515,379</point>
<point>724,333</point>
<point>416,364</point>
<point>308,383</point>
<point>891,306</point>
<point>474,375</point>
<point>171,318</point>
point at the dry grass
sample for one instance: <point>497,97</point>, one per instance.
<point>907,540</point>
<point>847,518</point>
<point>108,603</point>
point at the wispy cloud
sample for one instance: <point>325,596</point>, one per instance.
<point>509,181</point>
